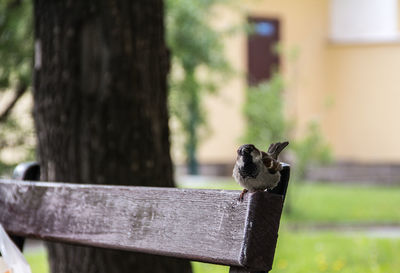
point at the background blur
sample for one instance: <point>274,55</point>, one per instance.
<point>339,63</point>
<point>323,74</point>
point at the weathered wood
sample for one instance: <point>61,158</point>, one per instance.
<point>261,228</point>
<point>204,225</point>
<point>25,171</point>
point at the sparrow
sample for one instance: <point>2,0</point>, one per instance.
<point>256,170</point>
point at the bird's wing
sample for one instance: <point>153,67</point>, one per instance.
<point>270,163</point>
<point>276,148</point>
<point>266,159</point>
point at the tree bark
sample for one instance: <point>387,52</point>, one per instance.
<point>100,110</point>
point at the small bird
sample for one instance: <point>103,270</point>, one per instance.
<point>256,170</point>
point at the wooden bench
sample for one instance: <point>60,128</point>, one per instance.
<point>209,226</point>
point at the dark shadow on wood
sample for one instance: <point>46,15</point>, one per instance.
<point>236,269</point>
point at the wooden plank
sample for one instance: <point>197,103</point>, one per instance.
<point>261,233</point>
<point>25,171</point>
<point>204,225</point>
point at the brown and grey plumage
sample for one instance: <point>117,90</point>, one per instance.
<point>256,170</point>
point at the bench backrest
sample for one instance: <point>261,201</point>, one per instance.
<point>204,225</point>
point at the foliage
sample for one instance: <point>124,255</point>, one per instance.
<point>186,19</point>
<point>16,43</point>
<point>17,139</point>
<point>263,111</point>
<point>311,148</point>
<point>16,50</point>
<point>196,47</point>
<point>190,54</point>
<point>266,123</point>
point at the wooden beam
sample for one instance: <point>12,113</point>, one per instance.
<point>204,225</point>
<point>25,171</point>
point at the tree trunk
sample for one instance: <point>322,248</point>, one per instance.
<point>100,110</point>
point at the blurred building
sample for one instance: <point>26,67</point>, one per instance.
<point>341,60</point>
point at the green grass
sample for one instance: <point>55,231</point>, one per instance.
<point>333,252</point>
<point>331,203</point>
<point>38,261</point>
<point>304,252</point>
<point>328,252</point>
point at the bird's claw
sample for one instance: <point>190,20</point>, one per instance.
<point>241,196</point>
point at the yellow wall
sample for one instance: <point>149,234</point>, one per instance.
<point>362,82</point>
<point>225,120</point>
<point>365,83</point>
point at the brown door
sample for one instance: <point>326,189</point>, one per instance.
<point>263,60</point>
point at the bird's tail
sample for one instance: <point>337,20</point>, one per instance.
<point>276,148</point>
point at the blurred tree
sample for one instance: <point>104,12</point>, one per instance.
<point>311,148</point>
<point>195,45</point>
<point>15,49</point>
<point>17,141</point>
<point>100,110</point>
<point>266,123</point>
<point>263,110</point>
<point>184,19</point>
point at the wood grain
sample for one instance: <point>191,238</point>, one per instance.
<point>261,234</point>
<point>204,225</point>
<point>25,171</point>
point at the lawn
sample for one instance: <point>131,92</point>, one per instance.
<point>305,252</point>
<point>37,260</point>
<point>328,252</point>
<point>331,203</point>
